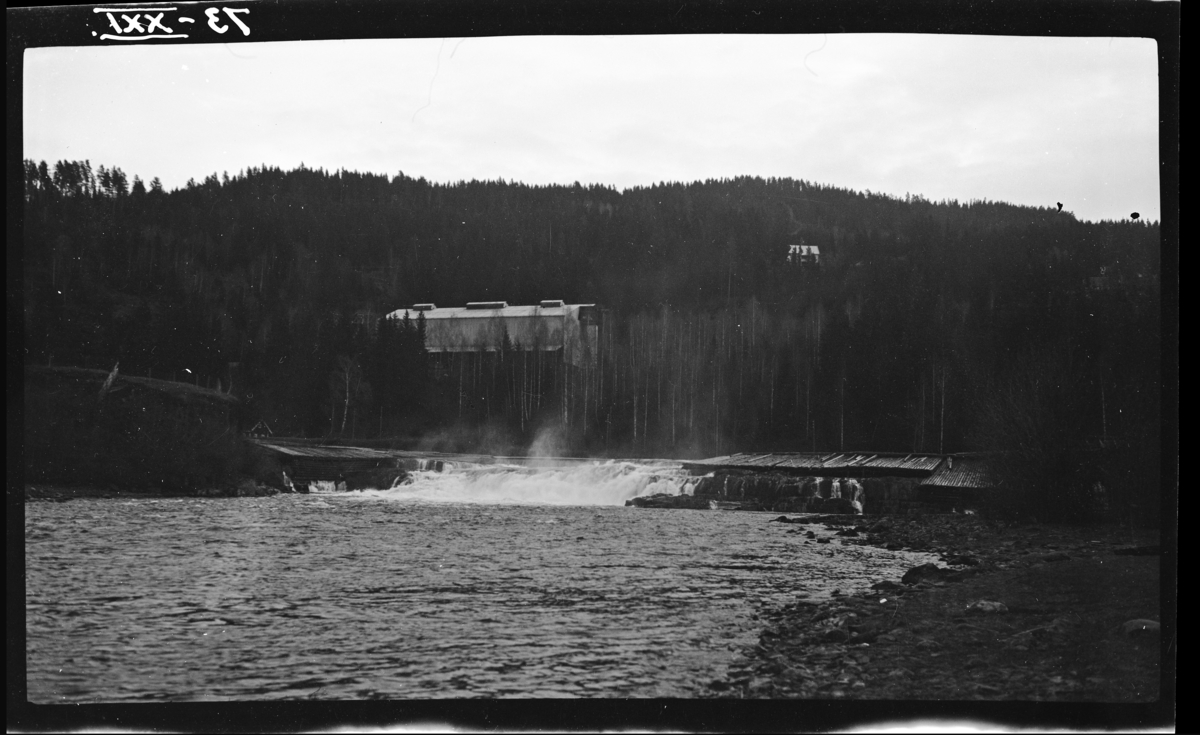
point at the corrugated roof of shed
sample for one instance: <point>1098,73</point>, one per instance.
<point>759,460</point>
<point>801,461</point>
<point>727,459</point>
<point>966,472</point>
<point>923,462</point>
<point>325,452</point>
<point>508,312</point>
<point>828,461</point>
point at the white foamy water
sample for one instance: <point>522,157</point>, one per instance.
<point>607,483</point>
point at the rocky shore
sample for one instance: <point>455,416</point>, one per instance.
<point>268,483</point>
<point>1011,612</point>
<point>63,493</point>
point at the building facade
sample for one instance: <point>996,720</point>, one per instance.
<point>489,326</point>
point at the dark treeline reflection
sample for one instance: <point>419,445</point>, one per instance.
<point>924,326</point>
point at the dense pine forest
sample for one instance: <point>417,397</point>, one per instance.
<point>924,326</point>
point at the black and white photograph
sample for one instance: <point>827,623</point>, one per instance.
<point>824,367</point>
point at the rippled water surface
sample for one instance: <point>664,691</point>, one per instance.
<point>410,593</point>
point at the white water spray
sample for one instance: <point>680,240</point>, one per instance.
<point>608,483</point>
<point>857,495</point>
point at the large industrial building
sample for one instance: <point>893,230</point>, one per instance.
<point>481,326</point>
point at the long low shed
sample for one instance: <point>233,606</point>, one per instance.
<point>893,482</point>
<point>960,482</point>
<point>836,464</point>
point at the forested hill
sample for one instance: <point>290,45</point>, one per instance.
<point>887,343</point>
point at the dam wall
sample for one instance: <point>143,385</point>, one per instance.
<point>788,493</point>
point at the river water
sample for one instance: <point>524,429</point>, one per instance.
<point>468,583</point>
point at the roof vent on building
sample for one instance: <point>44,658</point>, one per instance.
<point>487,304</point>
<point>552,304</point>
<point>424,307</point>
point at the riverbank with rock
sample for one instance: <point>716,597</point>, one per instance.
<point>63,493</point>
<point>1011,612</point>
<point>272,483</point>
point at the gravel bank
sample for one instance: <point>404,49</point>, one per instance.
<point>1012,612</point>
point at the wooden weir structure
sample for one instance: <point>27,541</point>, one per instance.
<point>827,464</point>
<point>924,479</point>
<point>893,482</point>
<point>307,461</point>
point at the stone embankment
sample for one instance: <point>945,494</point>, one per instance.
<point>1011,612</point>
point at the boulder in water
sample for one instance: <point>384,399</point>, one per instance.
<point>866,633</point>
<point>836,635</point>
<point>987,607</point>
<point>663,500</point>
<point>923,572</point>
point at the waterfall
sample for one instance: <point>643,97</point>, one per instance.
<point>857,495</point>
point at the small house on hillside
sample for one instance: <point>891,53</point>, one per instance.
<point>483,326</point>
<point>804,254</point>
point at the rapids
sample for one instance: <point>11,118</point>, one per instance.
<point>473,582</point>
<point>600,483</point>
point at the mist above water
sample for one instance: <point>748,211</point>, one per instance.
<point>607,483</point>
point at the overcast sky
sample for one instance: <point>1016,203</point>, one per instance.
<point>1027,120</point>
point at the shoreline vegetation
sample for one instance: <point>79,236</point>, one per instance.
<point>58,493</point>
<point>101,428</point>
<point>912,326</point>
